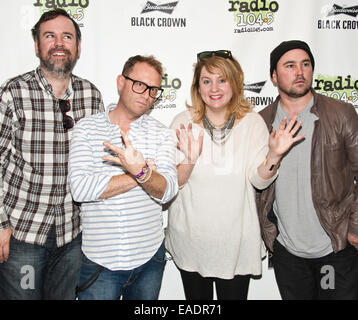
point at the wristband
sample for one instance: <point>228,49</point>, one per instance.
<point>146,177</point>
<point>144,171</point>
<point>273,166</point>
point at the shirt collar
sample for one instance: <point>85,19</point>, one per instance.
<point>305,110</point>
<point>136,123</point>
<point>47,86</point>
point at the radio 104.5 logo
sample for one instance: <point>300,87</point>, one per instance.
<point>253,15</point>
<point>170,93</point>
<point>75,8</point>
<point>344,88</point>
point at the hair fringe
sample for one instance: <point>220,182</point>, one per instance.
<point>231,70</point>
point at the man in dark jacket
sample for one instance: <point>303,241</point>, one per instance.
<point>309,215</point>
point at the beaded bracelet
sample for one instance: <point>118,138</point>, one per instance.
<point>144,171</point>
<point>146,177</point>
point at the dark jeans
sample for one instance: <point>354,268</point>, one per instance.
<point>35,272</point>
<point>142,283</point>
<point>197,287</point>
<point>332,277</point>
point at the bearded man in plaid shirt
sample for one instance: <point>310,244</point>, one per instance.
<point>40,235</point>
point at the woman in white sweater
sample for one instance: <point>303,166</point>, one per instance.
<point>213,231</point>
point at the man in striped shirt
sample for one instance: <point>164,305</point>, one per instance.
<point>40,240</point>
<point>122,169</point>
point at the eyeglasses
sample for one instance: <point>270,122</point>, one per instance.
<point>226,54</point>
<point>141,87</point>
<point>68,122</point>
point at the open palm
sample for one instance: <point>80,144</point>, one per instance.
<point>190,146</point>
<point>129,158</point>
<point>282,139</point>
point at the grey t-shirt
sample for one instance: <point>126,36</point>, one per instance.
<point>299,228</point>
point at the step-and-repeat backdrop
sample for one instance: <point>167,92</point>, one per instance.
<point>174,31</point>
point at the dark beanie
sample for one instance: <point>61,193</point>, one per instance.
<point>285,46</point>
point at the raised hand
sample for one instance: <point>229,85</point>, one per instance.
<point>190,146</point>
<point>130,159</point>
<point>281,141</point>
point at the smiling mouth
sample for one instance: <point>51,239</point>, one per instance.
<point>59,54</point>
<point>217,97</point>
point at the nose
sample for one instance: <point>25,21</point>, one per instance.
<point>58,41</point>
<point>300,69</point>
<point>214,86</point>
<point>146,93</point>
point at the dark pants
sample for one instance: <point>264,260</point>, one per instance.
<point>35,272</point>
<point>332,277</point>
<point>197,287</point>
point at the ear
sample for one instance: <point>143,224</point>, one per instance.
<point>79,49</point>
<point>274,78</point>
<point>36,48</point>
<point>120,83</point>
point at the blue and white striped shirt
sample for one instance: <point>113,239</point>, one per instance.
<point>125,231</point>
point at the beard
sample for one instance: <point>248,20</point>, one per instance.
<point>53,67</point>
<point>293,92</point>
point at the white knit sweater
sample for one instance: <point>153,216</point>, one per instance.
<point>213,226</point>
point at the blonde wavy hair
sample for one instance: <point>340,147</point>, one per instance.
<point>231,71</point>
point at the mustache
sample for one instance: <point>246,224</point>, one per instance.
<point>62,49</point>
<point>300,78</point>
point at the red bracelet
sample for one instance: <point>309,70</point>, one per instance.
<point>144,171</point>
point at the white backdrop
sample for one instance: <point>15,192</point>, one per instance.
<point>174,32</point>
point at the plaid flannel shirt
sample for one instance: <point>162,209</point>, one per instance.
<point>34,149</point>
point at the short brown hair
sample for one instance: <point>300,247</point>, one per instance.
<point>50,15</point>
<point>129,65</point>
<point>231,71</point>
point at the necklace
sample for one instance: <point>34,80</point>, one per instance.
<point>218,135</point>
